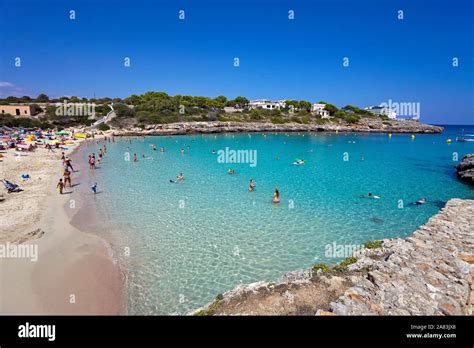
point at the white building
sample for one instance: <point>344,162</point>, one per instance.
<point>383,110</point>
<point>319,109</point>
<point>230,109</point>
<point>267,104</point>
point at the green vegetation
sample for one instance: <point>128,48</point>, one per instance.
<point>161,108</point>
<point>103,127</point>
<point>212,308</point>
<point>342,266</point>
<point>352,119</point>
<point>321,266</point>
<point>23,122</point>
<point>373,244</point>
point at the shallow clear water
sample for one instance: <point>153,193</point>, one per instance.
<point>193,240</point>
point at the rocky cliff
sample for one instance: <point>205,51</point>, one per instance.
<point>465,169</point>
<point>365,125</point>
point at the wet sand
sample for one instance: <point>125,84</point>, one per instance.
<point>75,272</point>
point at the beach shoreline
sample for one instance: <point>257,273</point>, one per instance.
<point>74,274</point>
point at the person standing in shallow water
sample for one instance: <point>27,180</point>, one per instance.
<point>251,185</point>
<point>276,196</point>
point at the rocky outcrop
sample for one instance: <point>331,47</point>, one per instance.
<point>365,125</point>
<point>428,273</point>
<point>465,169</point>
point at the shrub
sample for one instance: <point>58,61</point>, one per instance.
<point>352,119</point>
<point>373,244</point>
<point>277,120</point>
<point>103,127</point>
<point>321,266</point>
<point>342,266</point>
<point>212,308</point>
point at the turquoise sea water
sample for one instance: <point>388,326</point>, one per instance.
<point>190,241</point>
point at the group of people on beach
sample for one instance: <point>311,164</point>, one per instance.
<point>92,160</point>
<point>66,179</point>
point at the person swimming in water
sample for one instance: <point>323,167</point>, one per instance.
<point>180,177</point>
<point>420,201</point>
<point>372,196</point>
<point>276,196</point>
<point>162,149</point>
<point>231,171</point>
<point>94,188</point>
<point>135,159</point>
<point>251,185</point>
<point>299,162</point>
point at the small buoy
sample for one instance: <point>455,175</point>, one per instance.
<point>390,135</point>
<point>413,136</point>
<point>448,141</point>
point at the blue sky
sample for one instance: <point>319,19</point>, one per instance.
<point>407,60</point>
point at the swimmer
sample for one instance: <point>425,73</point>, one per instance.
<point>94,188</point>
<point>182,151</point>
<point>299,162</point>
<point>231,171</point>
<point>251,185</point>
<point>276,196</point>
<point>135,159</point>
<point>420,201</point>
<point>214,152</point>
<point>180,177</point>
<point>372,196</point>
<point>162,149</point>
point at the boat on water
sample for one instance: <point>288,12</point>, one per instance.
<point>465,137</point>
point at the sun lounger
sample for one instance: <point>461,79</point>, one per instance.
<point>11,187</point>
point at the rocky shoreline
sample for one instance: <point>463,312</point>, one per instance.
<point>365,125</point>
<point>429,273</point>
<point>465,169</point>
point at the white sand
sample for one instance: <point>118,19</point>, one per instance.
<point>74,273</point>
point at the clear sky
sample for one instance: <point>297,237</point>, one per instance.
<point>408,60</point>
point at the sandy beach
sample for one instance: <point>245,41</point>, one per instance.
<point>74,272</point>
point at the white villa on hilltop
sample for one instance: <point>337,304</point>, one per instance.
<point>320,110</point>
<point>382,110</point>
<point>267,104</point>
